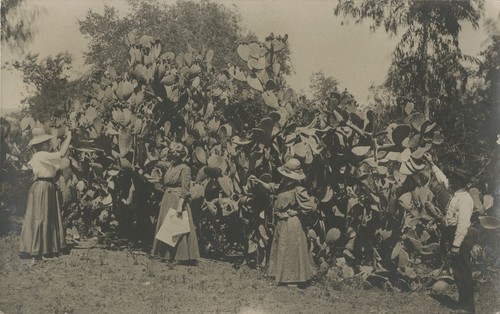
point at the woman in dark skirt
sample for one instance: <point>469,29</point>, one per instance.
<point>178,181</point>
<point>290,261</point>
<point>42,234</point>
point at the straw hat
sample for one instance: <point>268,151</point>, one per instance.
<point>39,136</point>
<point>292,169</point>
<point>489,222</point>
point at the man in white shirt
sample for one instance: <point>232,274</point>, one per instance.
<point>457,219</point>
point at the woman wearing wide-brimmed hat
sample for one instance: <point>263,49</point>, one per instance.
<point>178,182</point>
<point>42,233</point>
<point>290,261</point>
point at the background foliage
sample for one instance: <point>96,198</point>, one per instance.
<point>187,72</point>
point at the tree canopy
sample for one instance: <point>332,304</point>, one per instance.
<point>427,62</point>
<point>429,69</point>
<point>49,81</point>
<point>199,25</point>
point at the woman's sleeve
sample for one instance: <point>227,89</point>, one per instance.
<point>53,159</point>
<point>440,176</point>
<point>303,199</point>
<point>185,181</point>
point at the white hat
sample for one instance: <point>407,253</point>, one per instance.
<point>39,136</point>
<point>292,169</point>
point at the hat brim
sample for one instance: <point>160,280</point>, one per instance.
<point>489,222</point>
<point>292,174</point>
<point>40,139</point>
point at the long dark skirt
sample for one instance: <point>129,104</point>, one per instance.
<point>43,231</point>
<point>187,246</point>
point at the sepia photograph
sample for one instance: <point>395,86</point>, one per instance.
<point>250,156</point>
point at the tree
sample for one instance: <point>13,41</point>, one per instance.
<point>489,70</point>
<point>427,62</point>
<point>50,84</point>
<point>483,108</point>
<point>429,69</point>
<point>199,24</point>
<point>182,26</point>
<point>17,22</point>
<point>321,86</point>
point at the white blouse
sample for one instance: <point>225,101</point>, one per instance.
<point>459,214</point>
<point>45,164</point>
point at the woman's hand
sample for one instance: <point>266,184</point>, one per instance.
<point>292,212</point>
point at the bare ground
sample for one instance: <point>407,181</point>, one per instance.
<point>92,279</point>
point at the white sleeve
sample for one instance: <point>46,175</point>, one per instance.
<point>52,159</point>
<point>440,177</point>
<point>465,208</point>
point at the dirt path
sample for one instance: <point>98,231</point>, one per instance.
<point>94,280</point>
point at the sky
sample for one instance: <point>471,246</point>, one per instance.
<point>352,54</point>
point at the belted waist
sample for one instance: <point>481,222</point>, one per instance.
<point>51,180</point>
